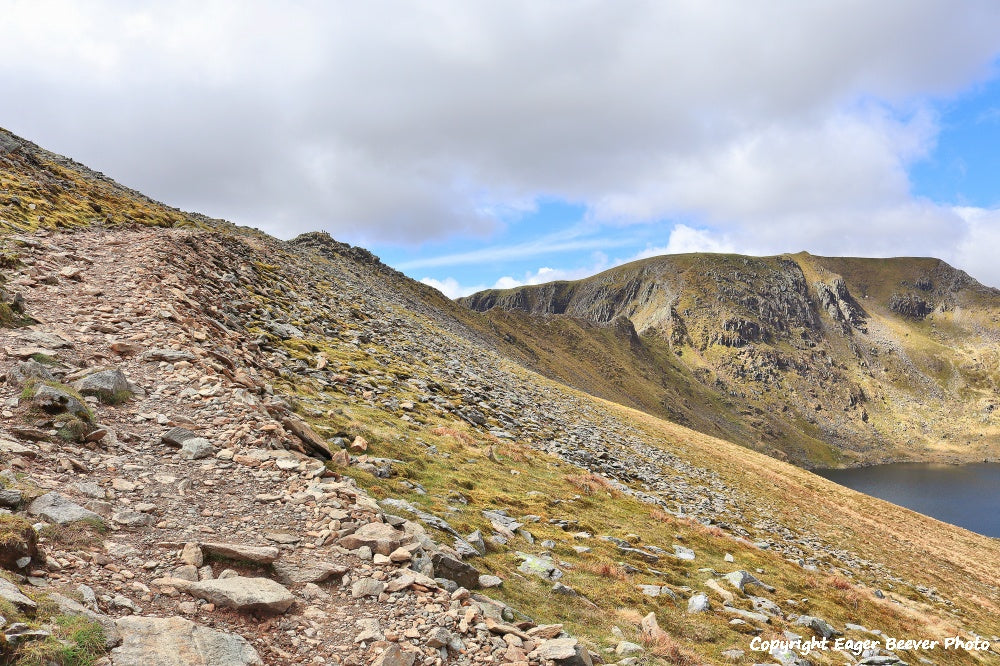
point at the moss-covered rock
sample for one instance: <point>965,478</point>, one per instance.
<point>18,541</point>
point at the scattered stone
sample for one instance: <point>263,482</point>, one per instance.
<point>699,603</point>
<point>536,565</point>
<point>314,444</point>
<point>192,554</point>
<point>820,626</point>
<point>380,537</point>
<point>487,581</point>
<point>22,371</point>
<point>238,551</point>
<point>651,629</point>
<point>196,448</point>
<point>55,508</point>
<point>310,572</point>
<point>130,518</point>
<point>564,651</point>
<point>10,593</point>
<point>367,587</point>
<point>438,637</point>
<point>108,386</point>
<point>461,572</point>
<point>371,630</point>
<point>393,656</point>
<point>176,436</point>
<point>627,649</point>
<point>55,400</point>
<point>167,355</point>
<point>70,607</point>
<point>11,498</point>
<point>740,579</point>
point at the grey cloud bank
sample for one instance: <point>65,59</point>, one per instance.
<point>779,125</point>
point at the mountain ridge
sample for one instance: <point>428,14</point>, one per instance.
<point>823,335</point>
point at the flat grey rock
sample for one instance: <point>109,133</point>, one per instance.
<point>242,593</point>
<point>238,551</point>
<point>55,508</point>
<point>174,641</point>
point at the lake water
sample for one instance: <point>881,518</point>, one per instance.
<point>963,495</point>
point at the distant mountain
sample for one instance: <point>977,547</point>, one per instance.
<point>825,360</point>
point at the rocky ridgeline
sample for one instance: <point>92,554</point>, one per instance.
<point>151,408</point>
<point>789,348</point>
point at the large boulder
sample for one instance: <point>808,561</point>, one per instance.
<point>380,537</point>
<point>245,594</point>
<point>55,508</point>
<point>55,399</point>
<point>174,641</point>
<point>109,386</point>
<point>21,372</point>
<point>461,572</point>
<point>562,651</point>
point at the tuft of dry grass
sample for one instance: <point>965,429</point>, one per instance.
<point>840,583</point>
<point>463,437</point>
<point>606,570</point>
<point>667,649</point>
<point>661,516</point>
<point>591,484</point>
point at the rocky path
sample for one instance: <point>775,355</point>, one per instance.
<point>211,541</point>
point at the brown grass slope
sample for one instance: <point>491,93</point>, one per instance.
<point>825,361</point>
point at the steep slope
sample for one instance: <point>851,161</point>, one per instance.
<point>827,361</point>
<point>332,398</point>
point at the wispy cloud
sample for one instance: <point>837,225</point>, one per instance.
<point>550,244</point>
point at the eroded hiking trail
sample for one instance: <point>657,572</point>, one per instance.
<point>208,516</point>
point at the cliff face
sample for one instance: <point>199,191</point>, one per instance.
<point>822,359</point>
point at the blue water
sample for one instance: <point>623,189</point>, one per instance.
<point>963,495</point>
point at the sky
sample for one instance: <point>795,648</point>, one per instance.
<point>477,144</point>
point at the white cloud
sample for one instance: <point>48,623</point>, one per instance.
<point>507,282</point>
<point>573,239</point>
<point>976,252</point>
<point>685,239</point>
<point>451,288</point>
<point>770,118</point>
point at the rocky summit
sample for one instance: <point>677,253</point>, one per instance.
<point>222,448</point>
